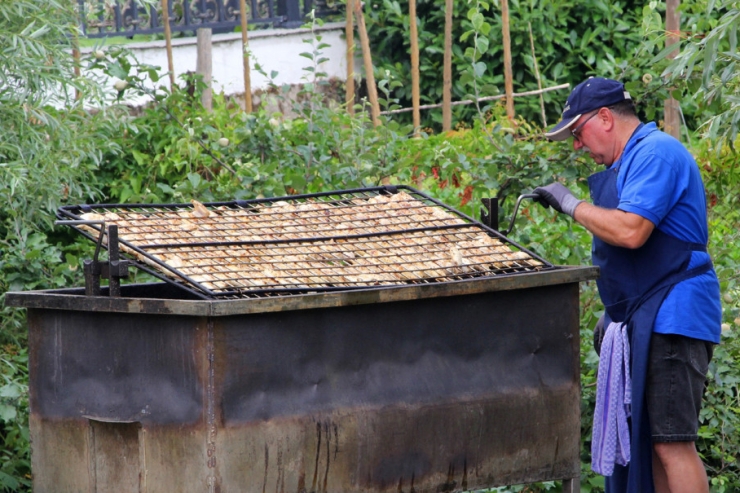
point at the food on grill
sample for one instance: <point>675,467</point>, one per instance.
<point>312,243</point>
<point>199,210</point>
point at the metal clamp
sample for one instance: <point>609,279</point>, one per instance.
<point>114,269</point>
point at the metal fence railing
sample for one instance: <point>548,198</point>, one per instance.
<point>104,18</point>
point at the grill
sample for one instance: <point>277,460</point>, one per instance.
<point>360,341</point>
<point>340,240</point>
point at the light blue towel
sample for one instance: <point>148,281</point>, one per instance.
<point>610,441</point>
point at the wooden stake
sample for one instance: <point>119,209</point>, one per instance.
<point>76,58</point>
<point>372,91</point>
<point>508,78</point>
<point>447,70</point>
<point>168,42</point>
<point>245,58</point>
<point>414,67</point>
<point>204,64</point>
<point>537,75</point>
<point>349,85</point>
<point>672,120</point>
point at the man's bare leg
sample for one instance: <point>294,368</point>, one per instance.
<point>677,468</point>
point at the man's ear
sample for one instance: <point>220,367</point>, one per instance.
<point>606,118</point>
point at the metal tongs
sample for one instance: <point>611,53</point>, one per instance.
<point>490,218</point>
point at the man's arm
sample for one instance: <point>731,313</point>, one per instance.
<point>613,226</point>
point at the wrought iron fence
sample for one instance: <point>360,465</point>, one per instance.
<point>104,18</point>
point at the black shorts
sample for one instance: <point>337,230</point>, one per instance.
<point>676,380</point>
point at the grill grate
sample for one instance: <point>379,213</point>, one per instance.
<point>331,241</point>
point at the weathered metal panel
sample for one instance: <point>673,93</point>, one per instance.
<point>116,367</point>
<point>176,460</point>
<point>433,393</point>
<point>436,395</point>
<point>114,457</point>
<point>411,352</point>
<point>60,455</point>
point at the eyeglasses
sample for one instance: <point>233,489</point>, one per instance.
<point>575,131</point>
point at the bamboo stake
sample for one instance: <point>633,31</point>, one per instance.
<point>349,85</point>
<point>447,70</point>
<point>537,75</point>
<point>670,106</point>
<point>508,79</point>
<point>372,91</point>
<point>245,57</point>
<point>470,101</point>
<point>204,65</point>
<point>414,67</point>
<point>76,58</point>
<point>168,42</point>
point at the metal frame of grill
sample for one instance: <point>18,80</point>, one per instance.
<point>331,241</point>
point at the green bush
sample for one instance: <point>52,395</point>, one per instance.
<point>572,40</point>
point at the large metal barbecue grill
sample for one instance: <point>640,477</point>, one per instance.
<point>322,242</point>
<point>359,341</point>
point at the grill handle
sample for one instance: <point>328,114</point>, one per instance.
<point>516,209</point>
<point>490,219</point>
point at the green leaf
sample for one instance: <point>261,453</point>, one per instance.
<point>480,69</point>
<point>477,21</point>
<point>140,157</point>
<point>10,391</point>
<point>481,45</point>
<point>116,70</point>
<point>466,35</point>
<point>7,413</point>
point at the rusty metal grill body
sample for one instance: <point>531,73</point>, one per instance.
<point>321,242</point>
<point>433,386</point>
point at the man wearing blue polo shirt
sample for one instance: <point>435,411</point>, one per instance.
<point>661,294</point>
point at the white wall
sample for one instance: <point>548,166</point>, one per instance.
<point>274,49</point>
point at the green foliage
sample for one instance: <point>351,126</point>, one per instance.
<point>175,150</point>
<point>708,66</point>
<point>15,466</point>
<point>572,40</point>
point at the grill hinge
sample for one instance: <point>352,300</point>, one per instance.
<point>114,269</point>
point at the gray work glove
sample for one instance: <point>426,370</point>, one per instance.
<point>559,197</point>
<point>599,335</point>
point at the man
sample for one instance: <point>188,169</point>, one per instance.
<point>649,226</point>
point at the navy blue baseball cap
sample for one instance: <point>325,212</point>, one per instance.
<point>589,95</point>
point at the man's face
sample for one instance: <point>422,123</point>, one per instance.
<point>589,135</point>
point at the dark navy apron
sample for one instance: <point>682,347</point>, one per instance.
<point>632,285</point>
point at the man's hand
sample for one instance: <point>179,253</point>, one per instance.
<point>559,197</point>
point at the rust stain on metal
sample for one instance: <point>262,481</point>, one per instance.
<point>211,402</point>
<point>328,454</point>
<point>318,455</point>
<point>267,466</point>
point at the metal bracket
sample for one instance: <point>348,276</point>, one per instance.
<point>489,215</point>
<point>114,269</point>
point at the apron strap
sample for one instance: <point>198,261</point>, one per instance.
<point>671,280</point>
